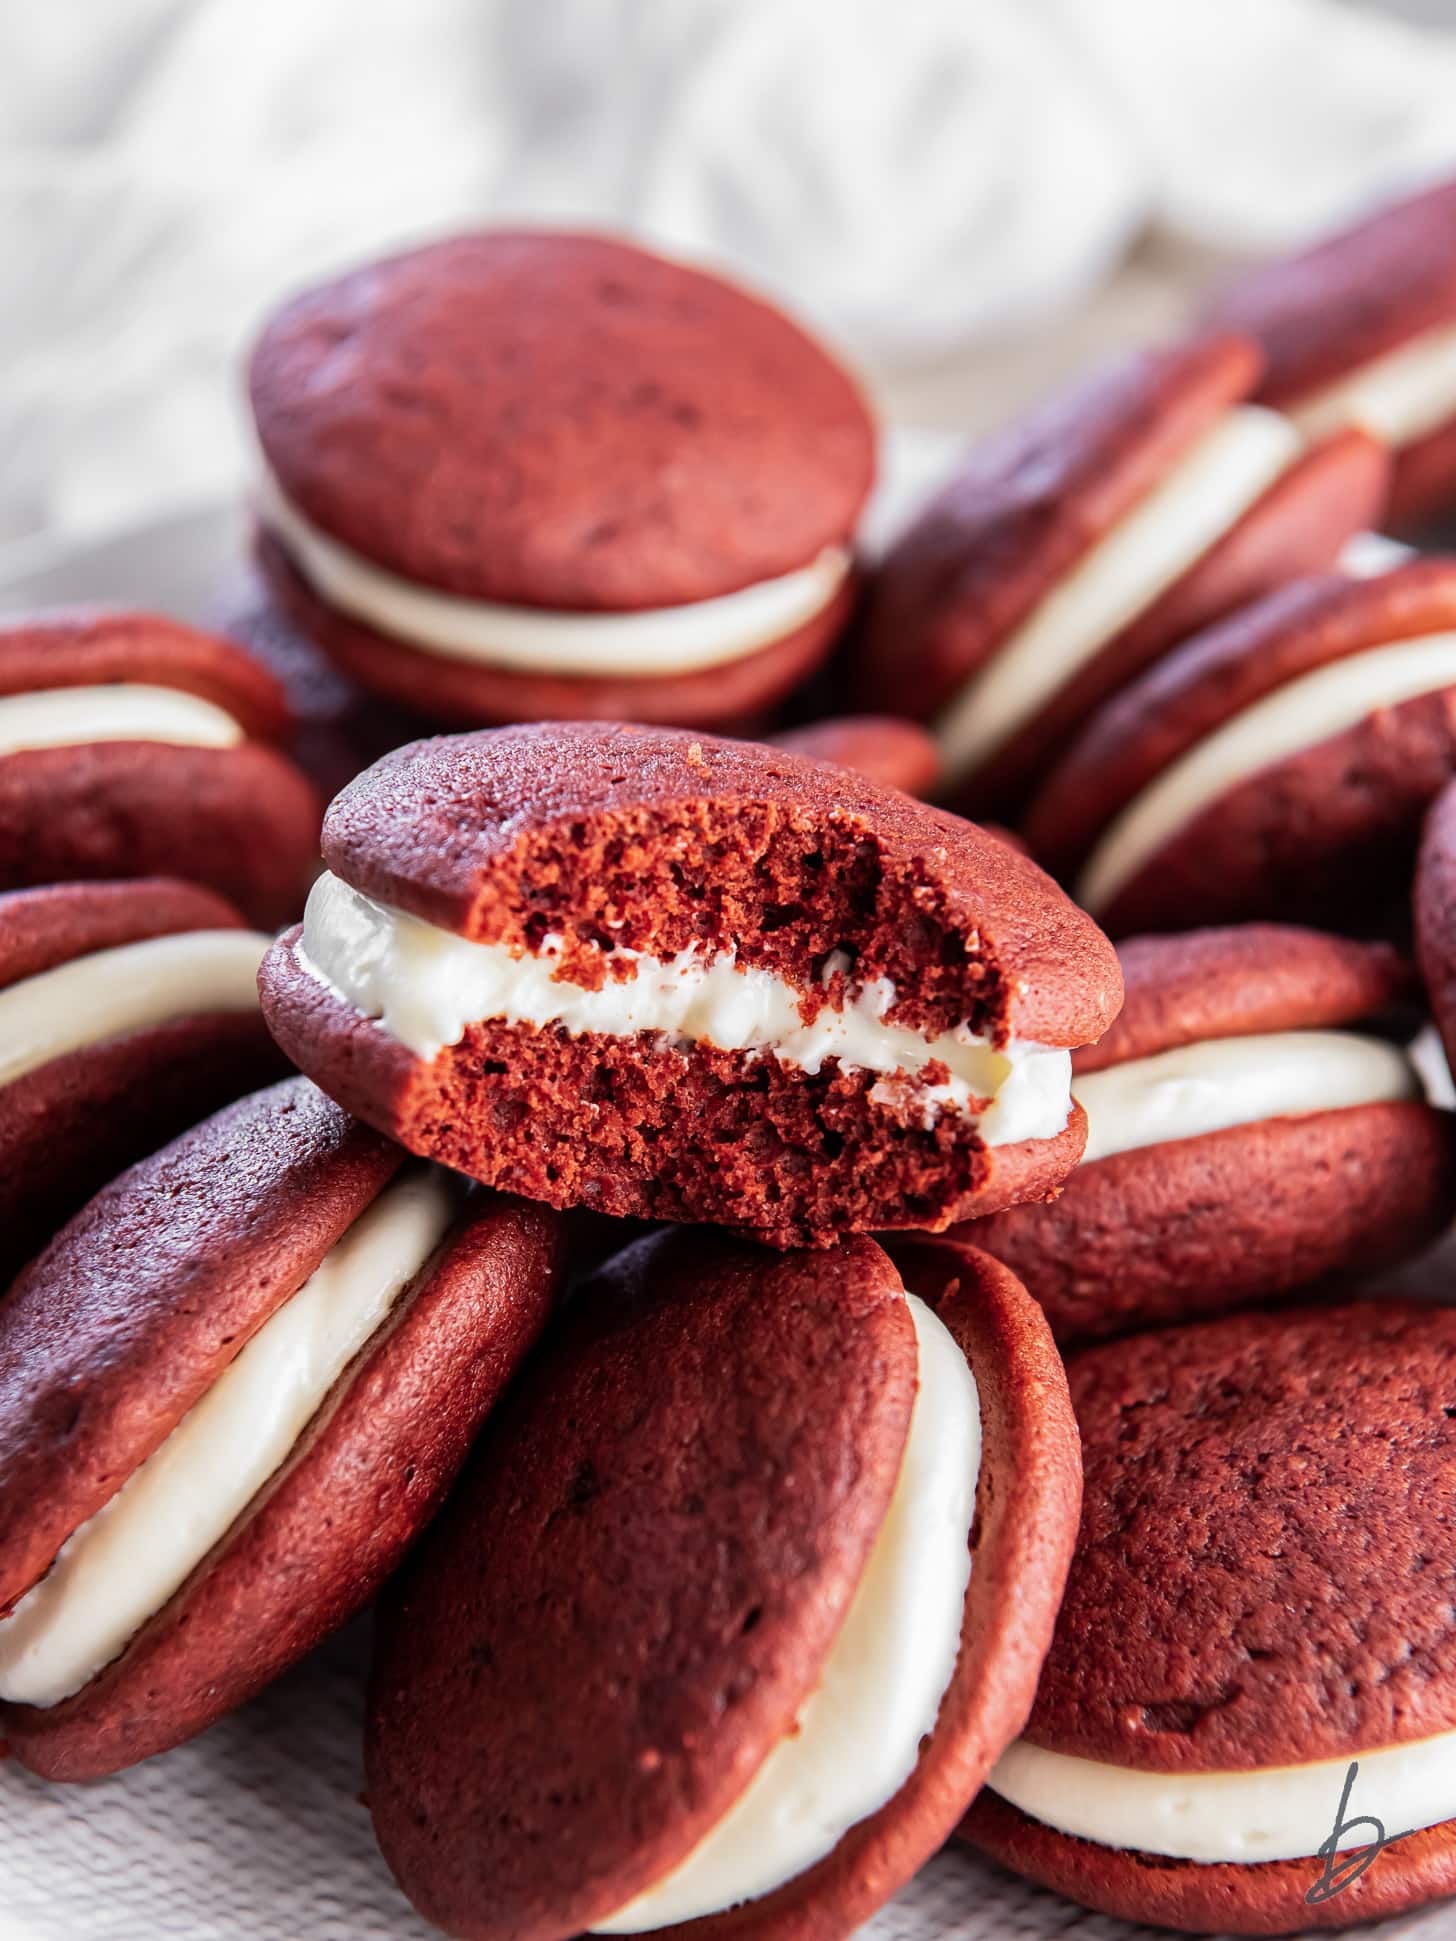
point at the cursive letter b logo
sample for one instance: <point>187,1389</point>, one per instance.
<point>1343,1868</point>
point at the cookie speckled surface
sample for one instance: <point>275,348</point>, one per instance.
<point>1342,310</point>
<point>129,1012</point>
<point>1245,1136</point>
<point>1084,540</point>
<point>1276,765</point>
<point>685,1598</point>
<point>1237,1473</point>
<point>133,746</point>
<point>860,1006</point>
<point>890,750</point>
<point>487,455</point>
<point>276,1251</point>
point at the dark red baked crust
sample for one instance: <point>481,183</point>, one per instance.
<point>458,693</point>
<point>711,1135</point>
<point>95,646</point>
<point>1234,982</point>
<point>1238,1470</point>
<point>1356,294</point>
<point>896,753</point>
<point>1268,1898</point>
<point>43,927</point>
<point>1034,499</point>
<point>339,728</point>
<point>161,1280</point>
<point>1425,478</point>
<point>1435,915</point>
<point>528,1770</point>
<point>1217,675</point>
<point>1027,1508</point>
<point>1201,1226</point>
<point>1027,1503</point>
<point>70,1125</point>
<point>560,420</point>
<point>660,838</point>
<point>1299,526</point>
<point>332,1524</point>
<point>241,820</point>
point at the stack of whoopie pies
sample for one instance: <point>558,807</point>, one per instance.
<point>621,1212</point>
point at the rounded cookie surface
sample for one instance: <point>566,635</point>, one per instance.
<point>671,438</point>
<point>1270,1436</point>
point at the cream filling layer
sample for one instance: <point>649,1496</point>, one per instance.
<point>66,717</point>
<point>1295,717</point>
<point>426,986</point>
<point>532,640</point>
<point>128,988</point>
<point>858,1737</point>
<point>121,1567</point>
<point>1398,397</point>
<point>1165,534</point>
<point>1244,1818</point>
<point>1222,1082</point>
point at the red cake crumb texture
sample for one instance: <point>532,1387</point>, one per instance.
<point>659,842</point>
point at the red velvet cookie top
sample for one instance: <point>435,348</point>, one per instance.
<point>1031,502</point>
<point>85,647</point>
<point>1264,1570</point>
<point>44,927</point>
<point>639,1578</point>
<point>658,839</point>
<point>1234,982</point>
<point>1218,674</point>
<point>1351,297</point>
<point>562,421</point>
<point>129,1316</point>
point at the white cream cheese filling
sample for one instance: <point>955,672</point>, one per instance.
<point>1398,397</point>
<point>128,988</point>
<point>1295,717</point>
<point>426,986</point>
<point>1164,535</point>
<point>1216,1083</point>
<point>535,640</point>
<point>67,717</point>
<point>1267,1813</point>
<point>858,1736</point>
<point>119,1569</point>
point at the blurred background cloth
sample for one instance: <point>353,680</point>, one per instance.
<point>924,179</point>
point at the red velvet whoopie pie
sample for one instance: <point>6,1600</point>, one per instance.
<point>232,1392</point>
<point>131,745</point>
<point>666,976</point>
<point>738,1600</point>
<point>1082,541</point>
<point>521,475</point>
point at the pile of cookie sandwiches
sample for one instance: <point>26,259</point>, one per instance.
<point>822,1179</point>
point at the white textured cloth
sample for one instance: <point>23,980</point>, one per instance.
<point>909,176</point>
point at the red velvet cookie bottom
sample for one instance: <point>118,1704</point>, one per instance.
<point>640,1129</point>
<point>1268,1898</point>
<point>339,727</point>
<point>241,820</point>
<point>1424,485</point>
<point>71,1125</point>
<point>1319,837</point>
<point>733,695</point>
<point>1198,1226</point>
